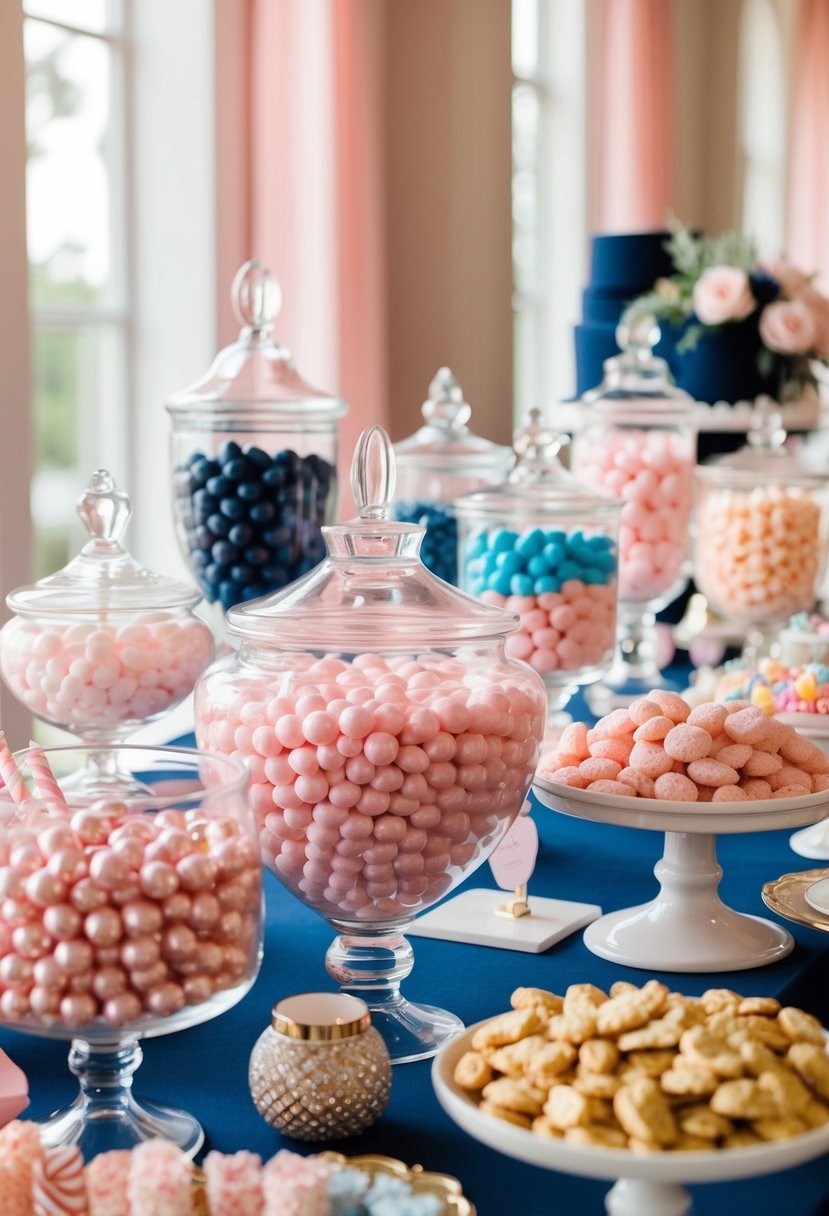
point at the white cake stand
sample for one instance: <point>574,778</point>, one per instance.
<point>686,927</point>
<point>648,1185</point>
<point>812,842</point>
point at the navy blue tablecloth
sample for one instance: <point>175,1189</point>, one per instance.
<point>205,1069</point>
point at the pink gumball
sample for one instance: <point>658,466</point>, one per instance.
<point>16,971</point>
<point>141,917</point>
<point>122,1009</point>
<point>103,927</point>
<point>78,1008</point>
<point>158,879</point>
<point>140,953</point>
<point>109,982</point>
<point>87,895</point>
<point>177,906</point>
<point>197,989</point>
<point>196,872</point>
<point>67,863</point>
<point>44,889</point>
<point>31,941</point>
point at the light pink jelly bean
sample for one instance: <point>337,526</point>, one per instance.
<point>411,755</point>
<point>99,686</point>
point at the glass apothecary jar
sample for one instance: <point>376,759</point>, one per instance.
<point>390,739</point>
<point>637,439</point>
<point>104,645</point>
<point>546,546</point>
<point>762,515</point>
<point>254,456</point>
<point>438,463</point>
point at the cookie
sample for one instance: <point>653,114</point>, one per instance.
<point>644,1113</point>
<point>472,1071</point>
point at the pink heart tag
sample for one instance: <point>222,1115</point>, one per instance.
<point>513,861</point>
<point>14,1090</point>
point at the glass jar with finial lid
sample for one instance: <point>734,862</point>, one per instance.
<point>390,737</point>
<point>544,545</point>
<point>761,531</point>
<point>438,463</point>
<point>104,645</point>
<point>636,439</point>
<point>254,455</point>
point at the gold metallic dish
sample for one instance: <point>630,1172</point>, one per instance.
<point>787,897</point>
<point>422,1182</point>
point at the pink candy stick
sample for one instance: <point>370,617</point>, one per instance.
<point>10,773</point>
<point>47,787</point>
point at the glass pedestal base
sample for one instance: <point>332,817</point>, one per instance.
<point>634,671</point>
<point>106,1115</point>
<point>371,968</point>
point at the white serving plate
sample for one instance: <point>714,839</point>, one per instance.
<point>817,896</point>
<point>647,1185</point>
<point>686,927</point>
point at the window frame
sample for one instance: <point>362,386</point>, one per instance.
<point>170,254</point>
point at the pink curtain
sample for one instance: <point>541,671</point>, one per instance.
<point>316,200</point>
<point>808,211</point>
<point>636,160</point>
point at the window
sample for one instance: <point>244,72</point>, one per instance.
<point>762,125</point>
<point>78,284</point>
<point>549,195</point>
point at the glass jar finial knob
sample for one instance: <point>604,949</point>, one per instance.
<point>104,510</point>
<point>637,334</point>
<point>256,296</point>
<point>373,474</point>
<point>445,405</point>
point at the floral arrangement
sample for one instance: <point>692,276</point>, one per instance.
<point>720,281</point>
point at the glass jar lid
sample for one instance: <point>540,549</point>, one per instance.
<point>103,577</point>
<point>538,481</point>
<point>371,592</point>
<point>764,460</point>
<point>320,1017</point>
<point>254,372</point>
<point>445,441</point>
<point>637,382</point>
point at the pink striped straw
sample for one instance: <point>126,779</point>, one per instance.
<point>47,787</point>
<point>12,777</point>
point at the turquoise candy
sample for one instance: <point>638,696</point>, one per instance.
<point>537,561</point>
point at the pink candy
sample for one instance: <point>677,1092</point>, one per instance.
<point>706,755</point>
<point>114,915</point>
<point>570,630</point>
<point>407,792</point>
<point>97,675</point>
<point>652,471</point>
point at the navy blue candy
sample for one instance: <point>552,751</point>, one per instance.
<point>439,547</point>
<point>251,521</point>
<point>536,561</point>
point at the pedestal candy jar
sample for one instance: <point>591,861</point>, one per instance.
<point>636,439</point>
<point>438,463</point>
<point>545,546</point>
<point>254,453</point>
<point>104,645</point>
<point>390,740</point>
<point>761,533</point>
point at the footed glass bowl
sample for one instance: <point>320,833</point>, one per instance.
<point>126,919</point>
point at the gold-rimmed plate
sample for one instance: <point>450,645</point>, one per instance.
<point>422,1182</point>
<point>787,897</point>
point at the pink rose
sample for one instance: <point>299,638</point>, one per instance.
<point>792,281</point>
<point>818,306</point>
<point>722,293</point>
<point>789,327</point>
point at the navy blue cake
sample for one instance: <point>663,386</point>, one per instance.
<point>722,366</point>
